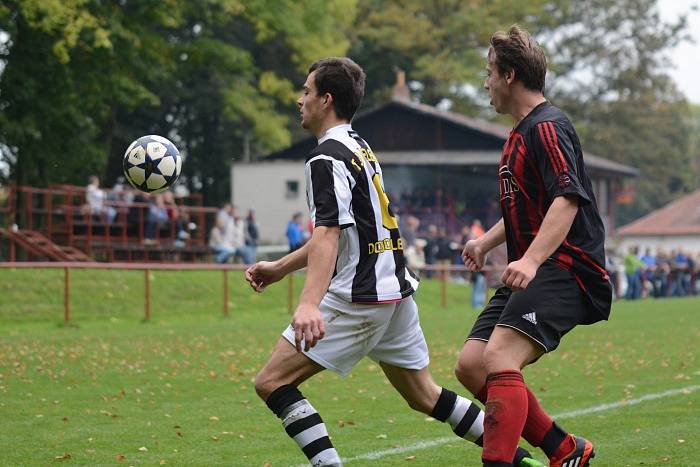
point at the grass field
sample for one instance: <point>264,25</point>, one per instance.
<point>113,390</point>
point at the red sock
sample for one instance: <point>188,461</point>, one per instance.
<point>538,423</point>
<point>506,411</point>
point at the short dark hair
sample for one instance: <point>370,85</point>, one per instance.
<point>518,51</point>
<point>344,80</point>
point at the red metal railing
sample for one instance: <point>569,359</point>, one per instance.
<point>224,268</point>
<point>60,213</point>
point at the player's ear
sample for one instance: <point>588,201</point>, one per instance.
<point>328,99</point>
<point>509,76</point>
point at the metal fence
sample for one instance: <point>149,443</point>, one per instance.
<point>442,270</point>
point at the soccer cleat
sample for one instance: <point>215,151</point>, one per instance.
<point>579,457</point>
<point>524,459</point>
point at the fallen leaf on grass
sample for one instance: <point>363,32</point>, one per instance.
<point>64,457</point>
<point>121,457</point>
<point>143,449</point>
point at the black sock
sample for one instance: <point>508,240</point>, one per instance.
<point>303,424</point>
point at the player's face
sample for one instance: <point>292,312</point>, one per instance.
<point>310,104</point>
<point>496,85</point>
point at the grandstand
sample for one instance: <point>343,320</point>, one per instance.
<point>53,224</point>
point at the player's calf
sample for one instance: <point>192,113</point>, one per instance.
<point>467,421</point>
<point>304,425</point>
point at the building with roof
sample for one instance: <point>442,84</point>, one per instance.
<point>422,149</point>
<point>676,225</point>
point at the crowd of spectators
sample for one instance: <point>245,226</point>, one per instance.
<point>654,273</point>
<point>234,238</point>
<point>158,215</point>
<point>434,246</point>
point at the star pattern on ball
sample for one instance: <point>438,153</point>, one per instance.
<point>152,164</point>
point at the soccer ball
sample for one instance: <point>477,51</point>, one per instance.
<point>152,164</point>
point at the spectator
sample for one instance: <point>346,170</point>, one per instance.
<point>219,243</point>
<point>662,273</point>
<point>156,217</point>
<point>295,232</point>
<point>224,213</point>
<point>95,198</point>
<point>680,274</point>
<point>443,252</point>
<point>178,218</point>
<point>647,272</point>
<point>236,236</point>
<point>252,234</point>
<point>431,247</point>
<point>633,269</point>
<point>477,230</point>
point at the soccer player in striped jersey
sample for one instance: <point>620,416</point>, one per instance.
<point>555,278</point>
<point>357,300</point>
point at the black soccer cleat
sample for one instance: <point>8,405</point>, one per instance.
<point>579,457</point>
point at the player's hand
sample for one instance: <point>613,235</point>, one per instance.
<point>262,274</point>
<point>473,255</point>
<point>307,323</point>
<point>519,273</point>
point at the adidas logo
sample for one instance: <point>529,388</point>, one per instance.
<point>530,317</point>
<point>572,462</point>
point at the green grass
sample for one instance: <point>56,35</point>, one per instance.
<point>181,387</point>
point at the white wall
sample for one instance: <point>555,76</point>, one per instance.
<point>263,186</point>
<point>689,243</point>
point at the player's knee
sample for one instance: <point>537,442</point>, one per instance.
<point>264,385</point>
<point>469,372</point>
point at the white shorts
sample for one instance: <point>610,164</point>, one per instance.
<point>385,332</point>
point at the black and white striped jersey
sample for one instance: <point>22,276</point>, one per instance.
<point>344,188</point>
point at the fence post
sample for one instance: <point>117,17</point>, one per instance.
<point>225,292</point>
<point>290,294</point>
<point>147,290</point>
<point>66,295</point>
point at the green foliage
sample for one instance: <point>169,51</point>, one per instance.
<point>613,82</point>
<point>83,78</point>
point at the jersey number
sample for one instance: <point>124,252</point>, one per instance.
<point>388,220</point>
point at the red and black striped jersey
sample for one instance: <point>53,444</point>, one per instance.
<point>542,159</point>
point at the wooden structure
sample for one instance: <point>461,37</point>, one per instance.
<point>422,149</point>
<point>54,224</point>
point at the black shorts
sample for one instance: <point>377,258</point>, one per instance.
<point>551,305</point>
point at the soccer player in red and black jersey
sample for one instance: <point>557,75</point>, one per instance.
<point>555,278</point>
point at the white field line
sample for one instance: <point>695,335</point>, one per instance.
<point>574,413</point>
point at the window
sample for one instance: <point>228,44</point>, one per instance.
<point>292,189</point>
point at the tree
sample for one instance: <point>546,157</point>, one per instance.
<point>65,74</point>
<point>607,71</point>
<point>613,82</point>
<point>83,78</point>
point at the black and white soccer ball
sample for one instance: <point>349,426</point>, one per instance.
<point>152,164</point>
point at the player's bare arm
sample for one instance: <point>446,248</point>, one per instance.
<point>555,227</point>
<point>322,254</point>
<point>264,273</point>
<point>474,253</point>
